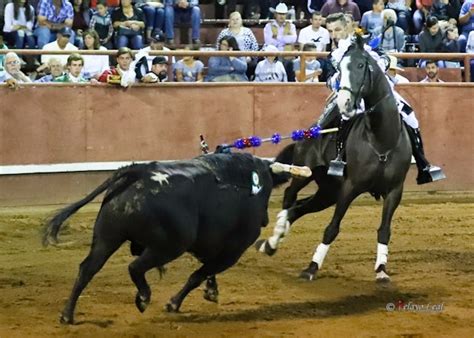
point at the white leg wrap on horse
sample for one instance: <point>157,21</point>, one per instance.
<point>320,254</point>
<point>281,229</point>
<point>382,254</point>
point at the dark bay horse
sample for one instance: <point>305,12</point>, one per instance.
<point>378,154</point>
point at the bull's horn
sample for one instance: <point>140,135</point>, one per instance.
<point>294,170</point>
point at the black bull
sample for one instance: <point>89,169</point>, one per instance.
<point>212,206</point>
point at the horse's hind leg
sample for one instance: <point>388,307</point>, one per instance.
<point>211,292</point>
<point>345,198</point>
<point>390,204</point>
<point>100,251</point>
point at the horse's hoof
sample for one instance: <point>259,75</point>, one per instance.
<point>141,302</point>
<point>262,246</point>
<point>310,272</point>
<point>63,319</point>
<point>382,277</point>
<point>171,307</point>
<point>211,295</point>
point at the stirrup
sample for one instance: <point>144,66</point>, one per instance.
<point>435,172</point>
<point>336,167</point>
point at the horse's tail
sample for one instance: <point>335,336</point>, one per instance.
<point>286,157</point>
<point>121,179</point>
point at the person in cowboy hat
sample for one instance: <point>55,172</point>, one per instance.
<point>392,71</point>
<point>279,32</point>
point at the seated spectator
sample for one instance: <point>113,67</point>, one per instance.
<point>80,22</point>
<point>421,14</point>
<point>403,11</point>
<point>157,42</point>
<point>446,10</point>
<point>470,49</point>
<point>393,70</point>
<point>183,12</point>
<point>227,68</point>
<point>129,23</point>
<point>158,73</point>
<point>341,6</point>
<point>101,22</point>
<point>270,69</point>
<point>53,15</point>
<point>244,36</point>
<point>431,70</point>
<point>431,39</point>
<point>61,43</point>
<point>393,37</point>
<point>124,73</point>
<point>280,32</point>
<point>372,21</point>
<point>451,45</point>
<point>12,69</point>
<point>55,68</point>
<point>2,56</point>
<point>249,9</point>
<point>18,28</point>
<point>466,20</point>
<point>75,62</point>
<point>188,69</point>
<point>314,33</point>
<point>154,11</point>
<point>94,65</point>
<point>313,67</point>
<point>112,4</point>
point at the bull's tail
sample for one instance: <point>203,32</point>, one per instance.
<point>285,156</point>
<point>119,181</point>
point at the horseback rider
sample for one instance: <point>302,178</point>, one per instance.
<point>341,36</point>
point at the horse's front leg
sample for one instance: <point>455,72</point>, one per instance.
<point>345,199</point>
<point>391,202</point>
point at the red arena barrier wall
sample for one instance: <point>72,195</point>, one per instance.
<point>67,124</point>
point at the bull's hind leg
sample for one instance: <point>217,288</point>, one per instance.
<point>391,202</point>
<point>98,255</point>
<point>211,292</point>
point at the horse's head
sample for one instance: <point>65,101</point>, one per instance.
<point>356,77</point>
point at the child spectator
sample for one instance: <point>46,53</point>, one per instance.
<point>188,69</point>
<point>270,69</point>
<point>372,21</point>
<point>129,23</point>
<point>227,68</point>
<point>75,62</point>
<point>101,22</point>
<point>18,28</point>
<point>313,67</point>
<point>183,12</point>
<point>94,65</point>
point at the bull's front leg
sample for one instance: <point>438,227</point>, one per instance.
<point>211,292</point>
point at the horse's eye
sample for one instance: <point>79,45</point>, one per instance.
<point>360,65</point>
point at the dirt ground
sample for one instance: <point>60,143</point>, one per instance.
<point>431,262</point>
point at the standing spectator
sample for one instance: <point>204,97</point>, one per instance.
<point>403,10</point>
<point>183,12</point>
<point>53,15</point>
<point>154,15</point>
<point>227,68</point>
<point>313,67</point>
<point>341,6</point>
<point>188,69</point>
<point>372,21</point>
<point>124,73</point>
<point>244,36</point>
<point>80,22</point>
<point>157,42</point>
<point>421,14</point>
<point>75,62</point>
<point>393,37</point>
<point>280,32</point>
<point>94,65</point>
<point>2,46</point>
<point>431,70</point>
<point>450,44</point>
<point>101,22</point>
<point>12,66</point>
<point>466,20</point>
<point>129,23</point>
<point>431,39</point>
<point>18,28</point>
<point>56,69</point>
<point>314,33</point>
<point>270,69</point>
<point>62,43</point>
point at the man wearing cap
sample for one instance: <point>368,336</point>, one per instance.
<point>53,15</point>
<point>61,43</point>
<point>159,71</point>
<point>157,43</point>
<point>280,32</point>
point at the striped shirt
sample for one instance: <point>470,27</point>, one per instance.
<point>46,8</point>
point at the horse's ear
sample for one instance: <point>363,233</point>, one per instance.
<point>360,41</point>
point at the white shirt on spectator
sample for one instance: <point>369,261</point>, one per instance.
<point>95,64</point>
<point>320,37</point>
<point>54,46</point>
<point>10,20</point>
<point>150,58</point>
<point>270,72</point>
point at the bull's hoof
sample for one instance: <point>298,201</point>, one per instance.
<point>64,319</point>
<point>381,275</point>
<point>262,246</point>
<point>172,307</point>
<point>141,302</point>
<point>211,295</point>
<point>310,272</point>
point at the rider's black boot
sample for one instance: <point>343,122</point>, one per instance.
<point>426,172</point>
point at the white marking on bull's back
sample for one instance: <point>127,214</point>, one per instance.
<point>160,177</point>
